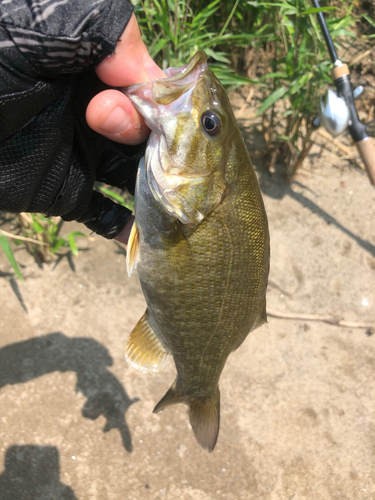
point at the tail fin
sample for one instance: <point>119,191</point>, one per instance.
<point>204,417</point>
<point>204,414</point>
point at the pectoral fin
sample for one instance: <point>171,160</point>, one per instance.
<point>144,350</point>
<point>132,254</point>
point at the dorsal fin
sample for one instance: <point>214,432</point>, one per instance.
<point>132,253</point>
<point>144,350</point>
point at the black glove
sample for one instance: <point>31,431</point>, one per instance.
<point>49,156</point>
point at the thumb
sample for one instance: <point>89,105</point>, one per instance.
<point>130,63</point>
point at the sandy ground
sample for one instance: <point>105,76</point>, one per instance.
<point>298,397</point>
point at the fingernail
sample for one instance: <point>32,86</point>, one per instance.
<point>116,122</point>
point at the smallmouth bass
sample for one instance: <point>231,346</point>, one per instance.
<point>200,242</point>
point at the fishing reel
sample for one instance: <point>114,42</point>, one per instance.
<point>334,112</point>
<point>337,109</point>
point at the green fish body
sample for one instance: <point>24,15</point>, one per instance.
<point>200,243</point>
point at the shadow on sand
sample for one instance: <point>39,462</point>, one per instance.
<point>24,361</point>
<point>33,473</point>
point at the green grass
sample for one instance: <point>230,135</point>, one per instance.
<point>41,237</point>
<point>175,30</point>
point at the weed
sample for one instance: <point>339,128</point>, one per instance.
<point>5,245</point>
<point>126,200</point>
<point>41,237</point>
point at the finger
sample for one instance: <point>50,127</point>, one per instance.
<point>131,63</point>
<point>105,217</point>
<point>111,114</point>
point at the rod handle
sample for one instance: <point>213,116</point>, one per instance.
<point>366,149</point>
<point>340,71</point>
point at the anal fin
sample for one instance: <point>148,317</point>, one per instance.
<point>144,350</point>
<point>170,398</point>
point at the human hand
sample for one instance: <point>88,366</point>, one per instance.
<point>111,112</point>
<point>49,157</point>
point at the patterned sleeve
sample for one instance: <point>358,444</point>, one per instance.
<point>48,38</point>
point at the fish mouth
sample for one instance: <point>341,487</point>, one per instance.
<point>194,65</point>
<point>173,92</point>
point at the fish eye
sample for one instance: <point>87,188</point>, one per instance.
<point>211,122</point>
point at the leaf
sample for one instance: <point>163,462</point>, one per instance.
<point>78,233</point>
<point>5,245</point>
<point>38,228</point>
<point>72,244</point>
<point>218,56</point>
<point>302,52</point>
<point>289,12</point>
<point>120,199</point>
<point>229,18</point>
<point>274,75</point>
<point>271,99</point>
<point>300,82</point>
<point>336,25</point>
<point>158,47</point>
<point>315,10</point>
<point>227,77</point>
<point>60,242</point>
<point>283,138</point>
<point>289,58</point>
<point>40,217</point>
<point>268,4</point>
<point>206,12</point>
<point>112,194</point>
<point>369,20</point>
<point>342,32</point>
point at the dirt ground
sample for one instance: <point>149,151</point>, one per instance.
<point>298,411</point>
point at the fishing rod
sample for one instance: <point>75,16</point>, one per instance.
<point>338,110</point>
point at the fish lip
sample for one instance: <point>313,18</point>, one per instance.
<point>146,96</point>
<point>199,61</point>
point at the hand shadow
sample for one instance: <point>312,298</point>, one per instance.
<point>106,396</point>
<point>33,472</point>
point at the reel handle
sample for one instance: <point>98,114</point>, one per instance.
<point>366,149</point>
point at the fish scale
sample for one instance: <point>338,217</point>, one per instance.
<point>201,246</point>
